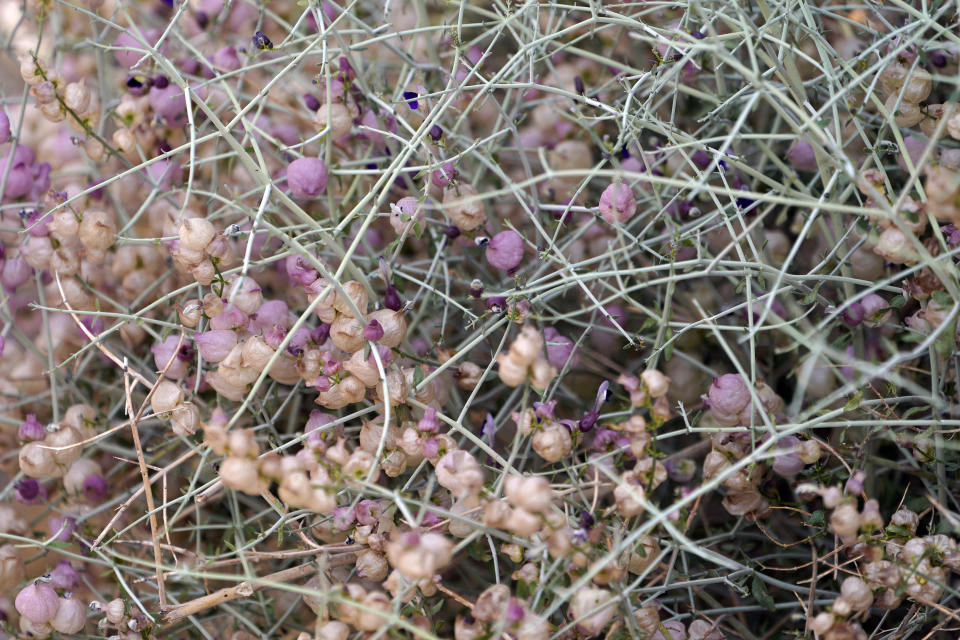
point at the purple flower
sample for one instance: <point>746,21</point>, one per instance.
<point>589,419</point>
<point>436,132</point>
<point>505,250</point>
<point>307,177</point>
<point>392,299</point>
<point>31,429</point>
<point>320,335</point>
<point>262,42</point>
<point>64,576</point>
<point>497,304</point>
<point>429,423</point>
<point>29,491</point>
<point>138,85</point>
<point>373,331</point>
<point>411,98</point>
<point>431,448</point>
<point>95,488</point>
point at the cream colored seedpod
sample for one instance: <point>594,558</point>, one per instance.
<point>336,116</point>
<point>462,205</point>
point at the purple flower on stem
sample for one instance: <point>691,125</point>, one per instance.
<point>373,331</point>
<point>95,488</point>
<point>411,99</point>
<point>29,491</point>
<point>589,419</point>
<point>31,429</point>
<point>64,576</point>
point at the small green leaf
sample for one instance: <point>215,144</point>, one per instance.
<point>761,594</point>
<point>897,302</point>
<point>854,401</point>
<point>417,377</point>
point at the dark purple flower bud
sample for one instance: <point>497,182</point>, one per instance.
<point>29,491</point>
<point>578,85</point>
<point>586,519</point>
<point>411,98</point>
<point>476,288</point>
<point>451,231</point>
<point>853,314</point>
<point>95,488</point>
<point>436,132</point>
<point>64,576</point>
<point>31,429</point>
<point>261,41</point>
<point>392,299</point>
<point>699,35</point>
<point>938,58</point>
<point>589,419</point>
<point>320,335</point>
<point>202,20</point>
<point>373,331</point>
<point>311,101</point>
<point>161,81</point>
